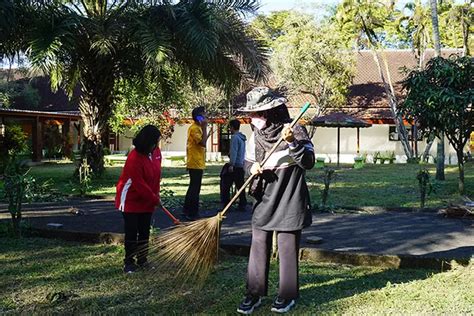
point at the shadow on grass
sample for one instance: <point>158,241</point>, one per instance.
<point>91,279</point>
<point>319,290</point>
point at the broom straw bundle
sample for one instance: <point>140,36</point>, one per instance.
<point>190,250</point>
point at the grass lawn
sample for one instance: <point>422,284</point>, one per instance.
<point>374,185</point>
<point>40,276</point>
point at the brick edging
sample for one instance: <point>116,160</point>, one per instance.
<point>310,254</point>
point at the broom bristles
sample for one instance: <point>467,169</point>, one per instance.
<point>189,250</point>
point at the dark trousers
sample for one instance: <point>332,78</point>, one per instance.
<point>191,201</point>
<point>259,263</point>
<point>137,234</point>
<point>227,179</point>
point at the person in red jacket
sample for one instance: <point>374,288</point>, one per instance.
<point>137,195</point>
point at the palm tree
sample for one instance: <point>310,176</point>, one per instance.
<point>95,43</point>
<point>416,26</point>
<point>437,44</point>
<point>458,18</point>
<point>361,20</point>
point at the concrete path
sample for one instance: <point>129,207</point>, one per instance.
<point>387,233</point>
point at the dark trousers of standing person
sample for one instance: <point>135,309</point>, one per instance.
<point>229,178</point>
<point>259,263</point>
<point>137,234</point>
<point>191,201</point>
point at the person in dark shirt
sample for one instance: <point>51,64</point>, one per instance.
<point>233,172</point>
<point>281,197</point>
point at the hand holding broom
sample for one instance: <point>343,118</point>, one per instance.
<point>191,249</point>
<point>236,195</point>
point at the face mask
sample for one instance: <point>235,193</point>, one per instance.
<point>259,122</point>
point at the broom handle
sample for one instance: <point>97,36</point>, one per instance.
<point>174,219</point>
<point>242,188</point>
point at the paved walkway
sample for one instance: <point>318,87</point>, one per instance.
<point>387,233</point>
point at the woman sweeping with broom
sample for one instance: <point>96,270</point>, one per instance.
<point>281,197</point>
<point>138,195</point>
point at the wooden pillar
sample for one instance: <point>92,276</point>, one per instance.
<point>415,138</point>
<point>117,141</point>
<point>66,131</point>
<point>37,140</point>
<point>338,144</point>
<point>358,140</point>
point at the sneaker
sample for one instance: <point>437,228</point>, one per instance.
<point>282,305</point>
<point>146,266</point>
<point>130,268</point>
<point>249,304</point>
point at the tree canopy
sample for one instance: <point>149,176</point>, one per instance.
<point>440,100</point>
<point>96,44</point>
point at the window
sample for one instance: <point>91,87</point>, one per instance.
<point>224,139</point>
<point>393,133</point>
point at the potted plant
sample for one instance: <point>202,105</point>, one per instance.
<point>391,157</point>
<point>359,161</point>
<point>320,162</point>
<point>376,156</point>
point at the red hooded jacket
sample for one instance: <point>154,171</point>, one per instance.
<point>138,188</point>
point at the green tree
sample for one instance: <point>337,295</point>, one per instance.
<point>143,102</point>
<point>362,22</point>
<point>271,26</point>
<point>307,58</point>
<point>95,44</point>
<point>440,100</point>
<point>415,28</point>
<point>456,21</point>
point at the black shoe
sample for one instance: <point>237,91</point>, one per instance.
<point>249,304</point>
<point>146,266</point>
<point>130,268</point>
<point>282,305</point>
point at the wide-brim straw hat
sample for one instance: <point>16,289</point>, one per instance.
<point>262,99</point>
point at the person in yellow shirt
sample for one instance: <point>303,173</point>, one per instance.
<point>195,162</point>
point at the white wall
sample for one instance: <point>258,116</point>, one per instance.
<point>125,140</point>
<point>177,143</point>
<point>372,139</point>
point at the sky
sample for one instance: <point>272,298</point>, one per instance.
<point>267,6</point>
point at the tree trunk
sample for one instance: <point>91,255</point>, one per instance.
<point>440,158</point>
<point>461,172</point>
<point>426,152</point>
<point>96,108</point>
<point>466,25</point>
<point>402,132</point>
<point>437,44</point>
<point>16,221</point>
<point>435,25</point>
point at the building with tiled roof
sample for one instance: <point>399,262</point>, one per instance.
<point>366,100</point>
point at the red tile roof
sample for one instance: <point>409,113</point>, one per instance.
<point>366,98</point>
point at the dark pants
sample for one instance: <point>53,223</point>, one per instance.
<point>229,178</point>
<point>191,202</point>
<point>259,262</point>
<point>137,233</point>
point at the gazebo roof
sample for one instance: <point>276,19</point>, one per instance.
<point>338,119</point>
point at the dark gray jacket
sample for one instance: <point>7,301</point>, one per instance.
<point>283,202</point>
<point>237,150</point>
